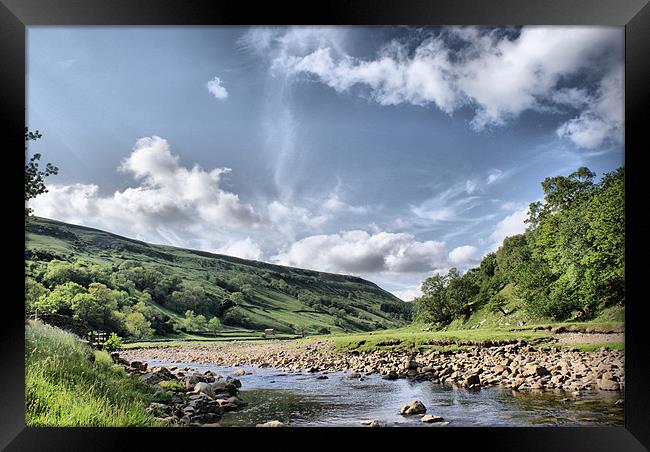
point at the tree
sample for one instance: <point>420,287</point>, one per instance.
<point>432,306</point>
<point>193,322</point>
<point>60,272</point>
<point>138,326</point>
<point>214,325</point>
<point>33,292</point>
<point>59,299</point>
<point>35,177</point>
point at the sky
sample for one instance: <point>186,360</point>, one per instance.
<point>390,153</point>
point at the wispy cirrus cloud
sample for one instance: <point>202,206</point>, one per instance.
<point>500,75</point>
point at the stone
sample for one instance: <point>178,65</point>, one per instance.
<point>392,375</point>
<point>608,385</point>
<point>204,388</point>
<point>413,407</point>
<point>472,381</point>
<point>372,423</point>
<point>321,377</point>
<point>241,372</point>
<point>428,418</point>
<point>139,365</point>
<point>272,424</point>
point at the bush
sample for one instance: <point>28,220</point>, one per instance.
<point>112,343</point>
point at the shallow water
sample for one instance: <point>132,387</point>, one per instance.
<point>300,399</point>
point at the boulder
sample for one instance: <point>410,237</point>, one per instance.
<point>204,388</point>
<point>431,419</point>
<point>413,407</point>
<point>608,385</point>
<point>472,381</point>
<point>138,365</point>
<point>372,423</point>
<point>392,375</point>
<point>271,424</point>
<point>241,372</point>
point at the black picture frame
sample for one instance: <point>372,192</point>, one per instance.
<point>15,15</point>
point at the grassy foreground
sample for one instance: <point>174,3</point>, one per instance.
<point>69,384</point>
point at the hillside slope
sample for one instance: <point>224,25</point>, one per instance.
<point>243,294</point>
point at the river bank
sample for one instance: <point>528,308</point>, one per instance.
<point>518,366</point>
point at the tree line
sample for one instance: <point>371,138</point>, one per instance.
<point>569,263</point>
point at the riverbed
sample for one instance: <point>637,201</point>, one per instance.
<point>302,398</point>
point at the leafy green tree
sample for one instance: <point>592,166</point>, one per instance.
<point>35,177</point>
<point>432,306</point>
<point>138,326</point>
<point>33,292</point>
<point>193,322</point>
<point>59,299</point>
<point>60,272</point>
<point>214,325</point>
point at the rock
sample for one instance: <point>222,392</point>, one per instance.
<point>431,419</point>
<point>241,372</point>
<point>139,365</point>
<point>607,385</point>
<point>392,375</point>
<point>413,407</point>
<point>354,375</point>
<point>271,424</point>
<point>620,402</point>
<point>372,423</point>
<point>472,381</point>
<point>204,388</point>
<point>234,381</point>
<point>117,359</point>
<point>321,377</point>
<point>159,409</point>
<point>536,370</point>
<point>224,387</point>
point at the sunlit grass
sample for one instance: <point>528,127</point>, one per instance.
<point>69,384</point>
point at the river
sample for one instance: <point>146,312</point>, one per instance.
<point>301,399</point>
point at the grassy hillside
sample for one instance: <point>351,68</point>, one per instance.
<point>245,296</point>
<point>69,384</point>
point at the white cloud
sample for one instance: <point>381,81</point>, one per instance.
<point>499,76</point>
<point>407,294</point>
<point>168,201</point>
<point>511,225</point>
<point>603,117</point>
<point>246,249</point>
<point>334,204</point>
<point>462,255</point>
<point>358,252</point>
<point>217,89</point>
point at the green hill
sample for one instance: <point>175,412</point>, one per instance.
<point>237,295</point>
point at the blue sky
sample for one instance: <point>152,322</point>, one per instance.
<point>386,152</point>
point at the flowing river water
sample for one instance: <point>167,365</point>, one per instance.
<point>302,399</point>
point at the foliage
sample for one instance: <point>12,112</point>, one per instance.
<point>163,283</point>
<point>113,342</point>
<point>35,177</point>
<point>570,262</point>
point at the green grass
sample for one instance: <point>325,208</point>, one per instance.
<point>595,346</point>
<point>413,337</point>
<point>268,307</point>
<point>69,384</point>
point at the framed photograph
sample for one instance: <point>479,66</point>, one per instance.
<point>361,214</point>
